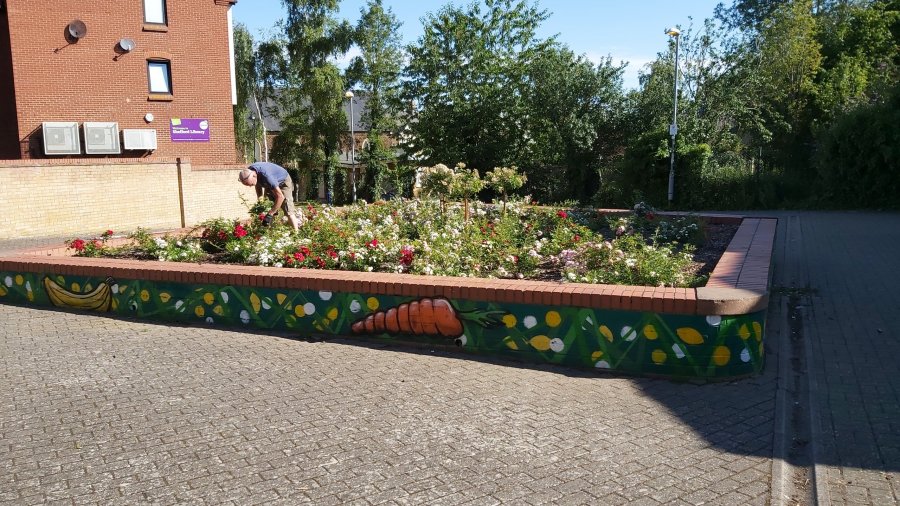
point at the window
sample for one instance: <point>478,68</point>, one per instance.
<point>155,12</point>
<point>159,77</point>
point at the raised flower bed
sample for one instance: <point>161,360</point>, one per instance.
<point>713,331</point>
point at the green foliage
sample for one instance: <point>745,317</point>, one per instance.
<point>247,78</point>
<point>628,261</point>
<point>377,159</point>
<point>311,86</point>
<point>377,69</point>
<point>505,180</point>
<point>573,122</point>
<point>415,236</point>
<point>466,75</point>
<point>93,247</point>
<point>858,158</point>
<point>437,181</point>
<point>764,91</point>
<point>466,183</point>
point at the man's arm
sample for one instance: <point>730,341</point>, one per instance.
<point>279,199</point>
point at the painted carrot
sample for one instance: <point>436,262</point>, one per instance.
<point>426,316</point>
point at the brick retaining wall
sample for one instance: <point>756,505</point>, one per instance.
<point>711,332</point>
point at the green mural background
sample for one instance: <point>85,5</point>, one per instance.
<point>680,346</point>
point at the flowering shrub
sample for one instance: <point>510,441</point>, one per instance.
<point>663,229</point>
<point>629,261</point>
<point>414,236</point>
<point>437,181</point>
<point>505,180</point>
<point>93,247</point>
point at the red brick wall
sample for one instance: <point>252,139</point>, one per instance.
<point>9,132</point>
<point>90,81</point>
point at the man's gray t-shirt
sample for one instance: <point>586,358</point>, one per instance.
<point>269,175</point>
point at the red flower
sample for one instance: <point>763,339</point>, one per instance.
<point>320,263</point>
<point>650,216</point>
<point>577,238</point>
<point>304,250</point>
<point>239,231</point>
<point>78,245</point>
<point>373,243</point>
<point>108,233</point>
<point>299,256</point>
<point>222,235</point>
<point>562,214</point>
<point>406,256</point>
<point>262,216</point>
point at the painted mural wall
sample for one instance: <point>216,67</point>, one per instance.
<point>645,343</point>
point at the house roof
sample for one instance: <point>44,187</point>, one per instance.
<point>272,112</point>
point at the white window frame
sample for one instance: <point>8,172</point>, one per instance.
<point>155,12</point>
<point>154,79</point>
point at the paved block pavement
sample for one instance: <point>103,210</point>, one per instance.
<point>101,410</point>
<point>843,270</point>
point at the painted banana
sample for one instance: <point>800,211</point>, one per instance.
<point>98,299</point>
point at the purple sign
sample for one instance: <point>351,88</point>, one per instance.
<point>189,130</point>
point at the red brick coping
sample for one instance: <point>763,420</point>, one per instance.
<point>737,285</point>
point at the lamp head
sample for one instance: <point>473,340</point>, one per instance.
<point>673,32</point>
<point>349,94</point>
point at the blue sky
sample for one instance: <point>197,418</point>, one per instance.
<point>629,30</point>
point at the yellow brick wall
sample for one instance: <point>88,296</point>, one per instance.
<point>214,192</point>
<point>41,199</point>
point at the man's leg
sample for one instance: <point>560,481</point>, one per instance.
<point>287,188</point>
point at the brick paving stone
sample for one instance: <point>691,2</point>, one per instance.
<point>844,267</point>
<point>141,412</point>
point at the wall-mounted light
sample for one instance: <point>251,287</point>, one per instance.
<point>148,117</point>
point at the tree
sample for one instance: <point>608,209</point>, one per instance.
<point>377,71</point>
<point>860,56</point>
<point>312,87</point>
<point>466,75</point>
<point>572,124</point>
<point>245,132</point>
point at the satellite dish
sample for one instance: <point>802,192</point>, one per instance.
<point>77,29</point>
<point>126,44</point>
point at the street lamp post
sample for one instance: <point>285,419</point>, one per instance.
<point>673,128</point>
<point>349,96</point>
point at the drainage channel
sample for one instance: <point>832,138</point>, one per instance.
<point>793,475</point>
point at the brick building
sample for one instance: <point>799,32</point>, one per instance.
<point>150,66</point>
